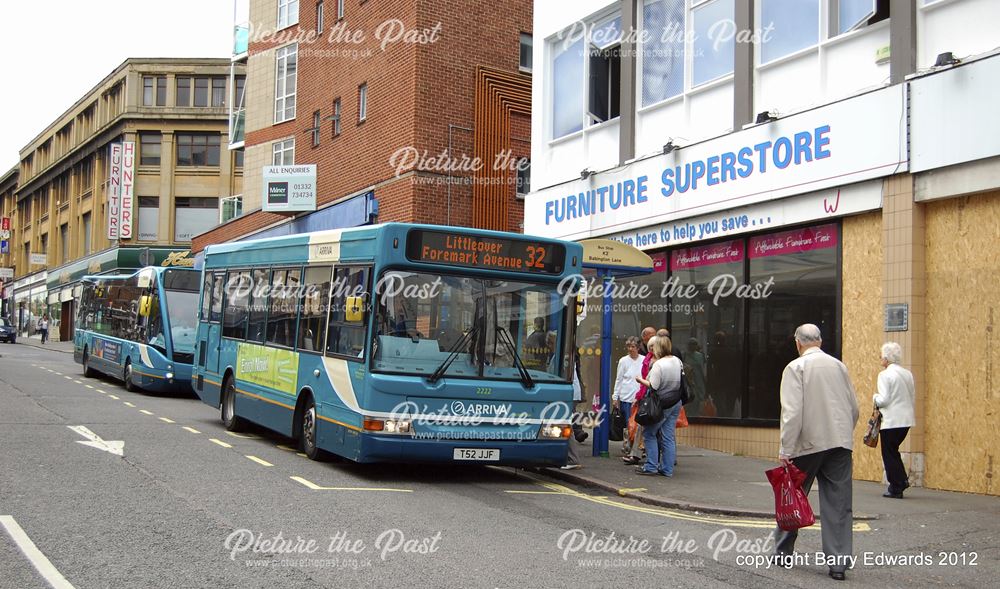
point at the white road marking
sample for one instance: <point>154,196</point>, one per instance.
<point>103,392</point>
<point>313,486</point>
<point>77,381</point>
<point>112,397</point>
<point>167,420</point>
<point>94,441</point>
<point>38,560</point>
<point>192,430</point>
<point>243,436</point>
<point>127,404</point>
<point>66,377</point>
<point>146,412</point>
<point>260,461</point>
<point>220,442</point>
<point>88,386</point>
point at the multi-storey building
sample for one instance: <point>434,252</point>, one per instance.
<point>8,188</point>
<point>786,162</point>
<point>393,103</point>
<point>175,113</point>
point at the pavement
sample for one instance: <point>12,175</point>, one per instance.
<point>712,482</point>
<point>706,481</point>
<point>36,341</point>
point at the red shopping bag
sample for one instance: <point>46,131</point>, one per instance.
<point>791,506</point>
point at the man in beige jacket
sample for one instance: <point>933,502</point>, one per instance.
<point>818,412</point>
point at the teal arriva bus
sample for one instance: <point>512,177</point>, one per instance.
<point>395,342</point>
<point>139,328</point>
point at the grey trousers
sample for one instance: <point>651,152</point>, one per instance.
<point>834,469</point>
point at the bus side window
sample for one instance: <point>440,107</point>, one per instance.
<point>206,296</point>
<point>256,324</point>
<point>315,299</point>
<point>347,338</point>
<point>234,318</point>
<point>218,286</point>
<point>281,317</point>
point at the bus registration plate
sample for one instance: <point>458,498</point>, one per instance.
<point>492,455</point>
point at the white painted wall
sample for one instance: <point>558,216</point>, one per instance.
<point>964,27</point>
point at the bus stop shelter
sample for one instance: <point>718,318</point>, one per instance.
<point>604,261</point>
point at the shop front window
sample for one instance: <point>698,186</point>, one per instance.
<point>801,265</point>
<point>707,325</point>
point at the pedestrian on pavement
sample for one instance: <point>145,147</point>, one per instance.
<point>647,332</point>
<point>629,367</point>
<point>818,412</point>
<point>579,394</point>
<point>635,455</point>
<point>665,382</point>
<point>895,400</point>
<point>43,327</point>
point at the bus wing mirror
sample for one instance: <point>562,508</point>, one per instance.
<point>145,305</point>
<point>354,310</point>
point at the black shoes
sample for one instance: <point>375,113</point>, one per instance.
<point>581,436</point>
<point>837,576</point>
<point>892,495</point>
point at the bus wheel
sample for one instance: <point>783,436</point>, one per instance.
<point>229,418</point>
<point>308,431</point>
<point>127,377</point>
<point>88,372</point>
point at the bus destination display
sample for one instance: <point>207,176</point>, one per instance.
<point>488,253</point>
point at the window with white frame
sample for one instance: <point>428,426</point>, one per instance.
<point>315,128</point>
<point>714,40</point>
<point>567,87</point>
<point>283,152</point>
<point>336,117</point>
<point>685,44</point>
<point>285,79</point>
<point>793,26</point>
<point>363,102</point>
<point>319,16</point>
<point>288,13</point>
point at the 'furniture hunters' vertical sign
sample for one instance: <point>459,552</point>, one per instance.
<point>114,190</point>
<point>126,194</point>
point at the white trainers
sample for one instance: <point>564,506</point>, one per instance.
<point>570,466</point>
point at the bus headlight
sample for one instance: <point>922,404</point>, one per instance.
<point>170,376</point>
<point>555,431</point>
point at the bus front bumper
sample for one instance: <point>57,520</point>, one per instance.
<point>376,448</point>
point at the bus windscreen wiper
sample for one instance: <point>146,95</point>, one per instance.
<point>504,337</point>
<point>453,353</point>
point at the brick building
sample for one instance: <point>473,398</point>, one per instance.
<point>348,85</point>
<point>174,110</point>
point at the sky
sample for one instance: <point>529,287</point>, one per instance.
<point>53,52</point>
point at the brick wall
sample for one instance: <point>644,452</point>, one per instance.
<point>415,90</point>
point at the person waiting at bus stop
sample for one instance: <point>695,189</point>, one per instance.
<point>629,367</point>
<point>664,381</point>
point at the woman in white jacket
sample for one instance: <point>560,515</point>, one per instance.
<point>895,400</point>
<point>629,367</point>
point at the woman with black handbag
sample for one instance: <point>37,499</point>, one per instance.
<point>664,381</point>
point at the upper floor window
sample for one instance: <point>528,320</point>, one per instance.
<point>154,90</point>
<point>336,117</point>
<point>319,16</point>
<point>149,149</point>
<point>315,128</point>
<point>340,9</point>
<point>526,52</point>
<point>285,81</point>
<point>684,46</point>
<point>183,92</point>
<point>590,67</point>
<point>218,91</point>
<point>362,103</point>
<point>197,149</point>
<point>283,152</point>
<point>288,13</point>
<point>605,80</point>
<point>794,25</point>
